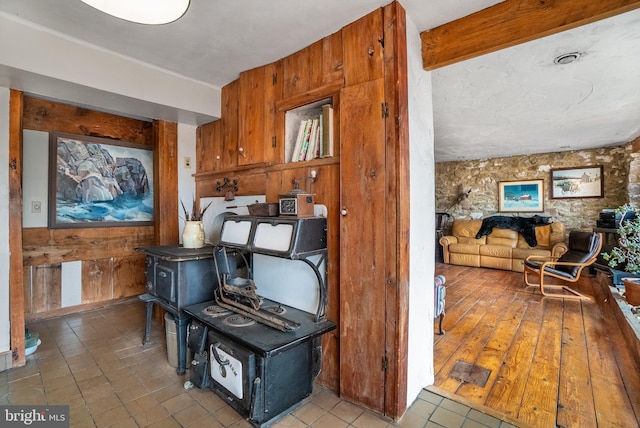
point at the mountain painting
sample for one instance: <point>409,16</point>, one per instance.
<point>97,182</point>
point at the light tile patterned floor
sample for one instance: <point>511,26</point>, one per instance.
<point>95,363</point>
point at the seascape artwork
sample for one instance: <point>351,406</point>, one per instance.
<point>100,184</point>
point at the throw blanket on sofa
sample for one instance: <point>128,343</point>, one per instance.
<point>525,226</point>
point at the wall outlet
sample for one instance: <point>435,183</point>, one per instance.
<point>36,207</point>
<point>187,162</point>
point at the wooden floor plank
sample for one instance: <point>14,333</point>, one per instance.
<point>575,393</point>
<point>553,362</point>
<point>541,391</point>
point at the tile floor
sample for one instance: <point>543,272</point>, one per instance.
<point>95,363</point>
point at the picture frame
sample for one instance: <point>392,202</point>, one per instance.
<point>99,182</point>
<point>521,196</point>
<point>578,182</point>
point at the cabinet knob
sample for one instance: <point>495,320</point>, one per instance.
<point>343,212</point>
<point>241,151</point>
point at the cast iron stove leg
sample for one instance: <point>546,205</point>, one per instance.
<point>182,323</point>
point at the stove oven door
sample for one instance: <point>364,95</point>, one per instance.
<point>233,371</point>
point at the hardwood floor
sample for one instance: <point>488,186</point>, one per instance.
<point>553,362</point>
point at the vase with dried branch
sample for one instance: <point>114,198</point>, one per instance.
<point>193,233</point>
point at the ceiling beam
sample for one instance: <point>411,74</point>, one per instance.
<point>510,23</point>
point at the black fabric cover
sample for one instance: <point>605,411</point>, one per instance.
<point>582,246</point>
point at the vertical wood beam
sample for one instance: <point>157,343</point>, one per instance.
<point>510,23</point>
<point>397,172</point>
<point>16,286</point>
<point>165,159</point>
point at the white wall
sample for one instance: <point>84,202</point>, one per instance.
<point>186,182</point>
<point>5,338</point>
<point>46,63</point>
<point>422,232</point>
<point>35,177</point>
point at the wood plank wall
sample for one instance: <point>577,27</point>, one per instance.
<point>111,267</point>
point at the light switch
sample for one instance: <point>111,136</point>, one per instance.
<point>36,207</point>
<point>187,162</point>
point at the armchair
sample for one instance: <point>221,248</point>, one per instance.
<point>584,248</point>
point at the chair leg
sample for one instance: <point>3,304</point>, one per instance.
<point>573,294</point>
<point>441,318</point>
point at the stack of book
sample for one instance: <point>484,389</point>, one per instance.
<point>315,137</point>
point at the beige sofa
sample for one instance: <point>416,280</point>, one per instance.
<point>502,248</point>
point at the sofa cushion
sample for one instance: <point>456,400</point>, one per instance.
<point>464,248</point>
<point>496,251</point>
<point>466,231</point>
<point>504,237</point>
<point>523,253</point>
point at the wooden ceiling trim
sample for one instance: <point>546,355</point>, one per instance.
<point>510,23</point>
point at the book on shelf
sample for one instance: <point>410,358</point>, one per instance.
<point>313,138</point>
<point>326,149</point>
<point>305,140</point>
<point>298,144</point>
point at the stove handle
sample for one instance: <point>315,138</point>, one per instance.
<point>217,357</point>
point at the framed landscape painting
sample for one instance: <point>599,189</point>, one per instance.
<point>521,196</point>
<point>577,182</point>
<point>98,182</point>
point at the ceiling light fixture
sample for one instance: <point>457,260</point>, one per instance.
<point>152,12</point>
<point>567,58</point>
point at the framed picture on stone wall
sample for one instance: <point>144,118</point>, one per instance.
<point>521,196</point>
<point>584,182</point>
<point>99,182</point>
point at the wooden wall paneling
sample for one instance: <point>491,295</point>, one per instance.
<point>316,64</point>
<point>128,276</point>
<point>230,99</point>
<point>165,159</point>
<point>332,69</point>
<point>327,191</point>
<point>248,184</point>
<point>363,250</point>
<point>273,146</point>
<point>16,280</point>
<point>297,73</point>
<point>510,23</point>
<point>397,208</point>
<point>251,116</point>
<point>97,280</point>
<point>273,186</point>
<point>27,288</point>
<point>209,147</point>
<point>46,288</point>
<point>363,42</point>
<point>48,246</point>
<point>46,116</point>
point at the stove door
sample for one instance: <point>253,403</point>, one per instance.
<point>233,370</point>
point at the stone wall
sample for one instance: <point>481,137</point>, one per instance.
<point>621,174</point>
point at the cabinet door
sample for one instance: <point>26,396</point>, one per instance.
<point>209,147</point>
<point>230,95</point>
<point>363,49</point>
<point>362,244</point>
<point>256,114</point>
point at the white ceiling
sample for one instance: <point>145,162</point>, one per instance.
<point>510,102</point>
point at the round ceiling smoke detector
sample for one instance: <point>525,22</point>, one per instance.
<point>567,58</point>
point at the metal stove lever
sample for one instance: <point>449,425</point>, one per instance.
<point>214,350</point>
